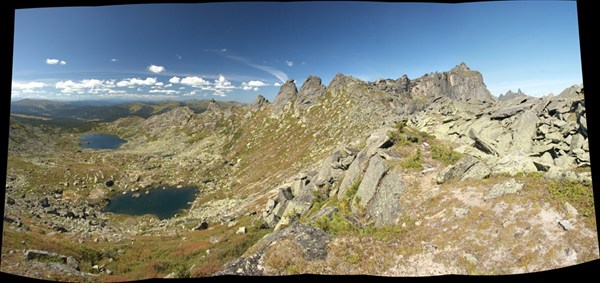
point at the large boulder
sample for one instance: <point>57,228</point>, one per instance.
<point>466,168</point>
<point>355,171</point>
<point>385,208</point>
<point>523,131</point>
<point>482,144</point>
<point>370,181</point>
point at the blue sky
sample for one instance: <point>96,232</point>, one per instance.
<point>235,51</point>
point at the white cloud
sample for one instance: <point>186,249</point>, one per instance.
<point>91,86</point>
<point>179,57</point>
<point>156,69</point>
<point>27,86</point>
<point>55,61</point>
<point>169,85</point>
<point>136,81</point>
<point>277,84</point>
<point>174,80</point>
<point>195,82</point>
<point>289,63</point>
<point>223,83</point>
<point>114,60</point>
<point>159,84</point>
<point>224,50</point>
<point>252,85</point>
<point>256,83</point>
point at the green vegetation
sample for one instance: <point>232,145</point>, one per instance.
<point>578,194</point>
<point>413,161</point>
<point>444,153</point>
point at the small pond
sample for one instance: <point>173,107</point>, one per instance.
<point>101,141</point>
<point>164,202</point>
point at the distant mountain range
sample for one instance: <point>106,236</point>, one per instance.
<point>103,111</point>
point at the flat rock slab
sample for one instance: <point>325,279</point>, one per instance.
<point>507,187</point>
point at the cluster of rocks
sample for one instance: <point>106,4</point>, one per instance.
<point>522,134</point>
<point>61,216</point>
<point>347,166</point>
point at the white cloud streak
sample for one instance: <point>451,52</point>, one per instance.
<point>271,70</point>
<point>289,63</point>
<point>27,86</point>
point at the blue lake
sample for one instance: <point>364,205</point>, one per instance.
<point>101,141</point>
<point>164,203</point>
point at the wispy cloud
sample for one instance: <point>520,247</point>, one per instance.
<point>156,69</point>
<point>289,63</point>
<point>114,60</point>
<point>28,85</point>
<point>55,61</point>
<point>179,57</point>
<point>281,76</point>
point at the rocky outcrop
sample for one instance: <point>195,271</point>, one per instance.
<point>311,90</point>
<point>460,83</point>
<point>466,168</point>
<point>522,134</point>
<point>258,103</point>
<point>368,186</point>
<point>287,94</point>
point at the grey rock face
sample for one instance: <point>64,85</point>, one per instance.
<point>465,168</point>
<point>523,132</point>
<point>310,91</point>
<point>370,181</point>
<point>287,93</point>
<point>354,172</point>
<point>460,83</point>
<point>258,103</point>
<point>482,144</point>
<point>72,263</point>
<point>508,187</point>
<point>385,206</point>
<point>510,111</point>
